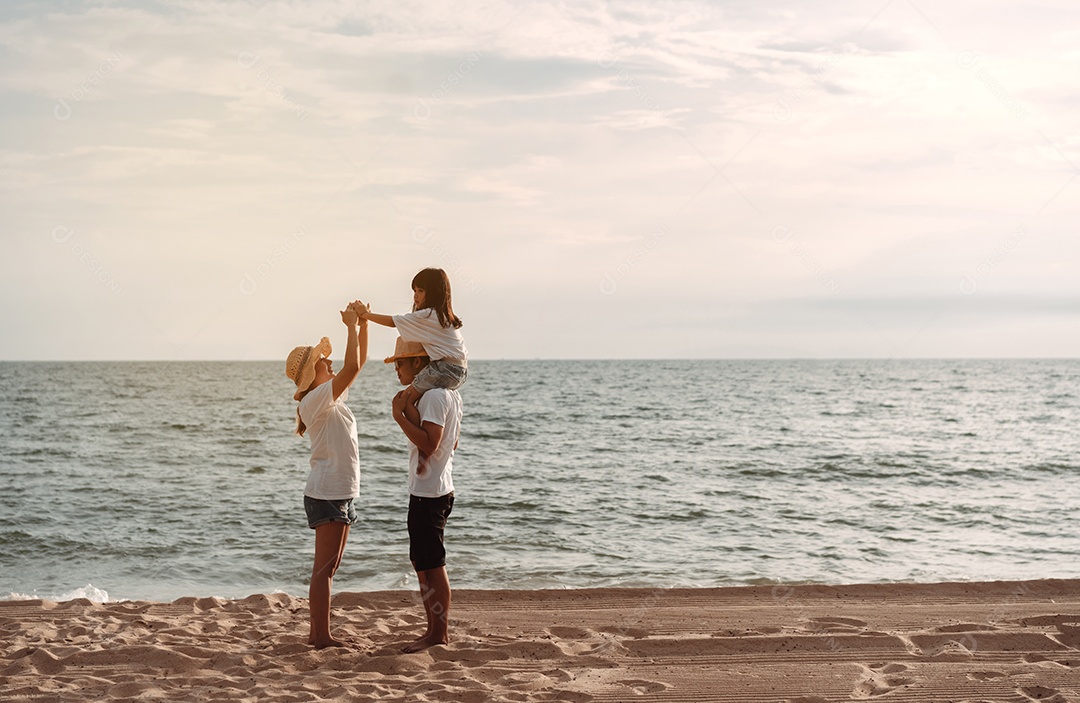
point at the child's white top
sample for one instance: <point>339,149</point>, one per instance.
<point>335,456</point>
<point>439,342</point>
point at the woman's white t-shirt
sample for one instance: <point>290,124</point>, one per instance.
<point>335,454</point>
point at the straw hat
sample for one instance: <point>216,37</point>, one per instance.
<point>300,366</point>
<point>404,350</point>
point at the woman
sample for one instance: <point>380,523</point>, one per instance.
<point>334,480</point>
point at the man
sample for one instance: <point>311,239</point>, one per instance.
<point>433,440</point>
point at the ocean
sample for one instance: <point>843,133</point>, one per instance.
<point>156,480</point>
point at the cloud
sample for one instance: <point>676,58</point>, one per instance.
<point>584,172</point>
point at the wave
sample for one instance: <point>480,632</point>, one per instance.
<point>502,436</point>
<point>87,592</point>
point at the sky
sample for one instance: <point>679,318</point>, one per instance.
<point>203,179</point>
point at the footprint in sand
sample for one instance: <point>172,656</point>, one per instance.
<point>986,675</point>
<point>560,675</point>
<point>890,668</point>
<point>574,641</point>
<point>1041,694</point>
<point>642,687</point>
<point>1041,659</point>
<point>763,630</point>
<point>934,646</point>
<point>578,641</point>
<point>965,627</point>
<point>880,679</point>
<point>433,690</point>
<point>560,696</point>
<point>1069,632</point>
<point>525,681</point>
<point>624,632</point>
<point>836,624</point>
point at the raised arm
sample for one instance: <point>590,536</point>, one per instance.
<point>355,350</point>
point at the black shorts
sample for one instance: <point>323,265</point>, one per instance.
<point>427,519</point>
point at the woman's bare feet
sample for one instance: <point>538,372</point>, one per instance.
<point>423,643</point>
<point>333,642</point>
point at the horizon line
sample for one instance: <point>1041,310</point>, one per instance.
<point>658,358</point>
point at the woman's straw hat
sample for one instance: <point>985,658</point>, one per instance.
<point>404,350</point>
<point>300,366</point>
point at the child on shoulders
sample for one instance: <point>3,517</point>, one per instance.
<point>433,324</point>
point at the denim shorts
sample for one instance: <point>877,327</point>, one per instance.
<point>440,374</point>
<point>320,512</point>
<point>427,520</point>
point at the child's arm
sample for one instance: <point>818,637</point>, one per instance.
<point>364,313</point>
<point>384,320</point>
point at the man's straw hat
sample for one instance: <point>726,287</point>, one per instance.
<point>300,366</point>
<point>404,350</point>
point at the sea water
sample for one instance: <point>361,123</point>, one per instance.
<point>125,480</point>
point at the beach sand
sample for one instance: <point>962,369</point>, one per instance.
<point>1000,641</point>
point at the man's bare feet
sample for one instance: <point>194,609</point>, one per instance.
<point>423,643</point>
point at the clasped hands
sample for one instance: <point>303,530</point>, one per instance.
<point>354,312</point>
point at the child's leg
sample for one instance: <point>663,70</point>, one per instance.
<point>412,413</point>
<point>330,541</point>
<point>412,397</point>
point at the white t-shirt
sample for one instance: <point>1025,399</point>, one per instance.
<point>439,342</point>
<point>335,456</point>
<point>441,407</point>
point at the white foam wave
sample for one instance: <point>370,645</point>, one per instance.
<point>89,592</point>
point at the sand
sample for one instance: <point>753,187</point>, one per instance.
<point>1001,641</point>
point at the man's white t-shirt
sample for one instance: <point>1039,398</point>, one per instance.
<point>441,407</point>
<point>439,342</point>
<point>335,459</point>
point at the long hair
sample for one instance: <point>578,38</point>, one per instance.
<point>301,428</point>
<point>436,286</point>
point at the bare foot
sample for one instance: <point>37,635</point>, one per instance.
<point>423,643</point>
<point>323,644</point>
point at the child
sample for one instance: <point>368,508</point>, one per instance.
<point>334,480</point>
<point>434,325</point>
